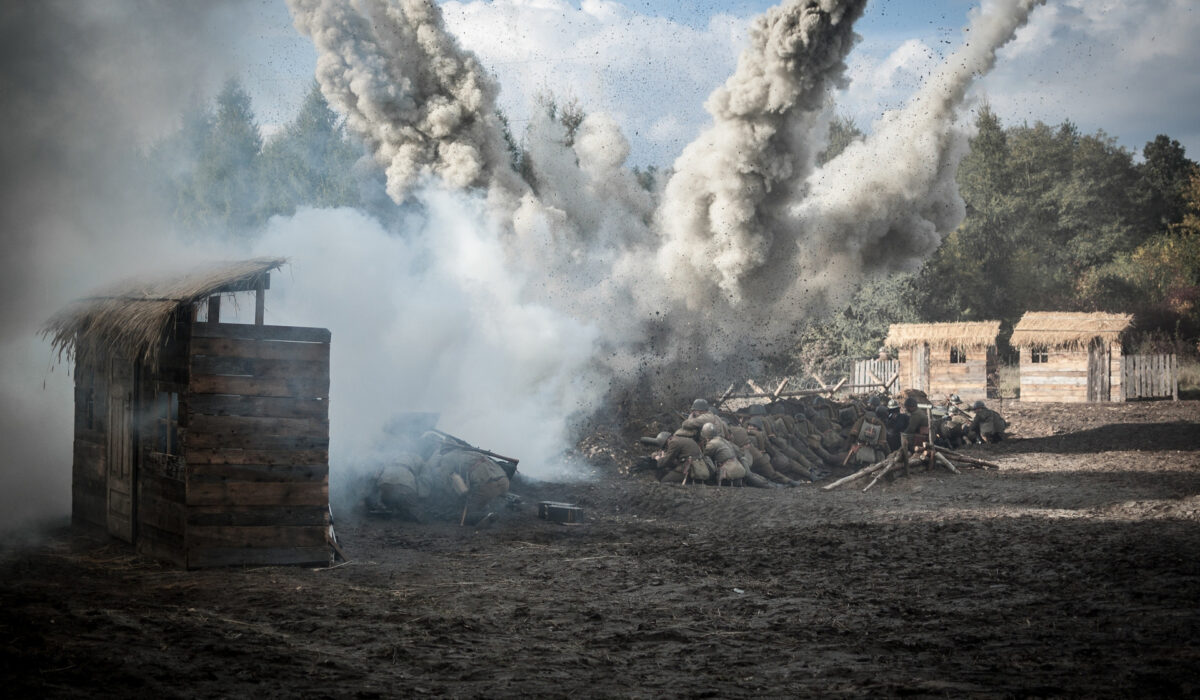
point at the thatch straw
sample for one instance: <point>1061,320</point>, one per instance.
<point>1061,329</point>
<point>133,317</point>
<point>942,336</point>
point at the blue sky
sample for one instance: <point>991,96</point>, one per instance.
<point>1129,68</point>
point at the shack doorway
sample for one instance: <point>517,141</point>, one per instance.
<point>1099,376</point>
<point>920,374</point>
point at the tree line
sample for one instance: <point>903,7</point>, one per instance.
<point>1056,219</point>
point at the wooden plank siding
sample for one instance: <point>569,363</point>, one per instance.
<point>257,445</point>
<point>89,452</point>
<point>967,379</point>
<point>1064,376</point>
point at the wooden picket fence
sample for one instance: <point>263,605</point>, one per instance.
<point>880,374</point>
<point>1150,377</point>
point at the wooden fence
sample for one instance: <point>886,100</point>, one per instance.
<point>1150,377</point>
<point>881,374</point>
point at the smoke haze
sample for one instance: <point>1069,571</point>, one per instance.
<point>511,309</point>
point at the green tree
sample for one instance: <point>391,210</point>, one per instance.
<point>1164,177</point>
<point>224,187</point>
<point>310,161</point>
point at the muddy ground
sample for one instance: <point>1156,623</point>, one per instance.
<point>1072,571</point>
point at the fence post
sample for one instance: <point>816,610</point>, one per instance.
<point>1174,378</point>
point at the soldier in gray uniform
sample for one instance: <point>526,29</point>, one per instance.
<point>988,425</point>
<point>462,481</point>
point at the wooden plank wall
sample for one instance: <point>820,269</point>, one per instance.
<point>161,503</point>
<point>1063,377</point>
<point>89,505</point>
<point>257,445</point>
<point>967,379</point>
<point>1151,377</point>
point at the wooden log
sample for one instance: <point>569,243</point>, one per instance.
<point>306,387</point>
<point>862,472</point>
<point>260,349</point>
<point>211,473</point>
<point>960,457</point>
<point>879,475</point>
<point>941,459</point>
<point>256,536</point>
<point>257,367</point>
<point>294,334</point>
<point>255,493</point>
<point>260,406</point>
<point>280,457</point>
<point>258,515</point>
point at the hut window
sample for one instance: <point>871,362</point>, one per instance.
<point>958,356</point>
<point>166,423</point>
<point>1039,354</point>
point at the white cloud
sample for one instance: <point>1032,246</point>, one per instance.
<point>649,72</point>
<point>1126,68</point>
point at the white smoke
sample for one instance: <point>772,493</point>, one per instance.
<point>424,106</point>
<point>749,234</point>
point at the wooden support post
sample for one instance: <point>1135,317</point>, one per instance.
<point>819,381</point>
<point>260,302</point>
<point>779,389</point>
<point>214,308</point>
<point>757,388</point>
<point>837,386</point>
<point>725,396</point>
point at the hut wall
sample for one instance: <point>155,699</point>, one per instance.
<point>88,469</point>
<point>1063,377</point>
<point>256,444</point>
<point>161,502</point>
<point>967,379</point>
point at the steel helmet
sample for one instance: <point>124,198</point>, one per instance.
<point>699,405</point>
<point>709,431</point>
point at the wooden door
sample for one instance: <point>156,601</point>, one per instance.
<point>119,487</point>
<point>920,373</point>
<point>1099,377</point>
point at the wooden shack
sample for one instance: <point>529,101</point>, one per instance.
<point>1070,357</point>
<point>202,443</point>
<point>947,358</point>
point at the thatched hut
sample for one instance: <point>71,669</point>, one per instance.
<point>202,443</point>
<point>947,358</point>
<point>1068,356</point>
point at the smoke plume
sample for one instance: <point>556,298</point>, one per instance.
<point>749,235</point>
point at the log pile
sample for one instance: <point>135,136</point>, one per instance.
<point>901,461</point>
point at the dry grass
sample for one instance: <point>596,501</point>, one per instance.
<point>942,336</point>
<point>131,317</point>
<point>1189,377</point>
<point>1008,381</point>
<point>1059,329</point>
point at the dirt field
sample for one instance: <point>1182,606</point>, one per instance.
<point>1072,571</point>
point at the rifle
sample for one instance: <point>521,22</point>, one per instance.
<point>464,445</point>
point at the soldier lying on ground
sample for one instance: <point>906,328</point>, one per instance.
<point>445,479</point>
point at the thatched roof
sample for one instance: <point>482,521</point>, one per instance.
<point>1067,329</point>
<point>131,317</point>
<point>941,336</point>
